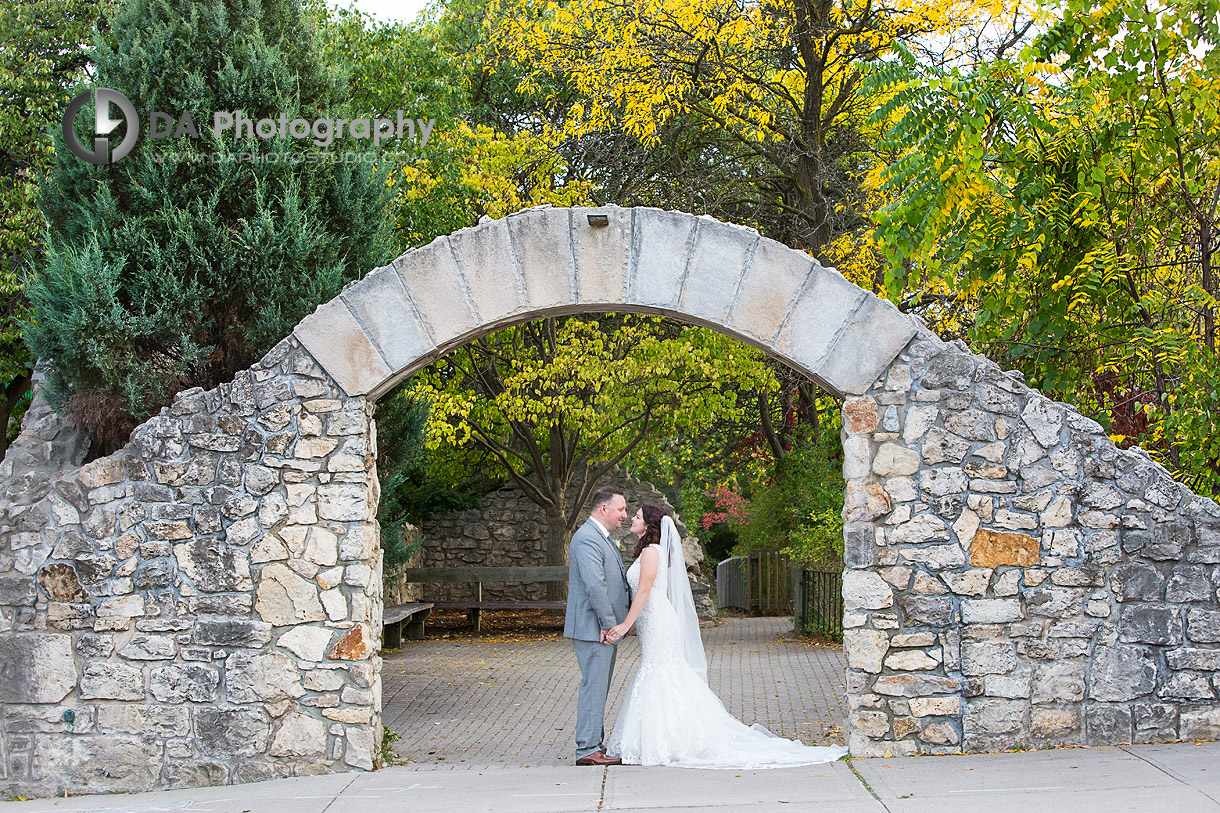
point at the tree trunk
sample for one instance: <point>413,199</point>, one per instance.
<point>764,416</point>
<point>813,24</point>
<point>817,230</point>
<point>1209,282</point>
<point>14,391</point>
<point>558,535</point>
<point>809,408</point>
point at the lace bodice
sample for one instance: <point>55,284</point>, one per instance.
<point>633,576</point>
<point>657,626</point>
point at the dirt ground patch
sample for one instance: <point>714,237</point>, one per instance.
<point>498,625</point>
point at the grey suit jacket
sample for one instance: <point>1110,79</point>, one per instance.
<point>597,584</point>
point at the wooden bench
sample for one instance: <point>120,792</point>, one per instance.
<point>414,615</point>
<point>478,575</point>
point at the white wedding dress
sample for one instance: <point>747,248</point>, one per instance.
<point>669,715</point>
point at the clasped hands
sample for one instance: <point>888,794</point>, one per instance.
<point>614,634</point>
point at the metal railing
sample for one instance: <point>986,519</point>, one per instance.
<point>758,583</point>
<point>731,584</point>
<point>819,602</point>
<point>769,582</point>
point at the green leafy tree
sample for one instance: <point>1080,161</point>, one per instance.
<point>1071,188</point>
<point>797,507</point>
<point>183,262</point>
<point>737,452</point>
<point>558,403</point>
<point>416,68</point>
<point>42,55</point>
<point>484,155</point>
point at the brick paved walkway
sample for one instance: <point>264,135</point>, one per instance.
<point>470,703</point>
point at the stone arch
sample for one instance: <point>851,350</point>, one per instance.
<point>203,606</point>
<point>548,261</point>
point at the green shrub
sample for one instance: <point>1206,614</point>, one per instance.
<point>799,510</point>
<point>184,262</point>
<point>386,755</point>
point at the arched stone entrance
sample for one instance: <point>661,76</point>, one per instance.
<point>553,261</point>
<point>203,606</point>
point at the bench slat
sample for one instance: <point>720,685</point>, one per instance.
<point>397,612</point>
<point>413,615</point>
<point>485,574</point>
<point>503,605</point>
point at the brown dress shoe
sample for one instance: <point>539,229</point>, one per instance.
<point>598,758</point>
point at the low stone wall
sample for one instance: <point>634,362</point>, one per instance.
<point>203,606</point>
<point>505,530</point>
<point>508,529</point>
<point>395,588</point>
<point>1014,579</point>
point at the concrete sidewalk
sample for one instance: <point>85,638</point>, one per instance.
<point>1180,778</point>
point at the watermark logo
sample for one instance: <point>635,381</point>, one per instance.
<point>231,125</point>
<point>103,125</point>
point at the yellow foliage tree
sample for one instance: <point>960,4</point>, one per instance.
<point>1074,187</point>
<point>777,79</point>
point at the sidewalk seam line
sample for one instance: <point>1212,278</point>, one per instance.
<point>1171,774</point>
<point>340,793</point>
<point>601,798</point>
<point>859,777</point>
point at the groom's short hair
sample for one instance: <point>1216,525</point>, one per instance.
<point>604,495</point>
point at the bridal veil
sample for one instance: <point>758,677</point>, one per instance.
<point>677,587</point>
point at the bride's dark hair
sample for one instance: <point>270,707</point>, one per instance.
<point>652,527</point>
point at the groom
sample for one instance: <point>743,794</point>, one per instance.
<point>597,601</point>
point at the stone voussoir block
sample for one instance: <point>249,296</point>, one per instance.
<point>542,242</point>
<point>823,309</point>
<point>661,246</point>
<point>435,286</point>
<point>485,255</point>
<point>875,334</point>
<point>771,284</point>
<point>380,304</point>
<point>333,336</point>
<point>602,253</point>
<point>714,272</point>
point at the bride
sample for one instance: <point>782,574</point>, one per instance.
<point>670,716</point>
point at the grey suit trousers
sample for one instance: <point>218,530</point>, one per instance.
<point>596,667</point>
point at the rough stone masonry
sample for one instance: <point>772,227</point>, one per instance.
<point>1013,578</point>
<point>204,606</point>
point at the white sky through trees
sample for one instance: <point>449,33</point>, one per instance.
<point>388,10</point>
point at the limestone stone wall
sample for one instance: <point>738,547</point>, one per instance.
<point>1013,578</point>
<point>395,587</point>
<point>203,606</point>
<point>509,529</point>
<point>506,529</point>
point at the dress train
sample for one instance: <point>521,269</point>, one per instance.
<point>670,717</point>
